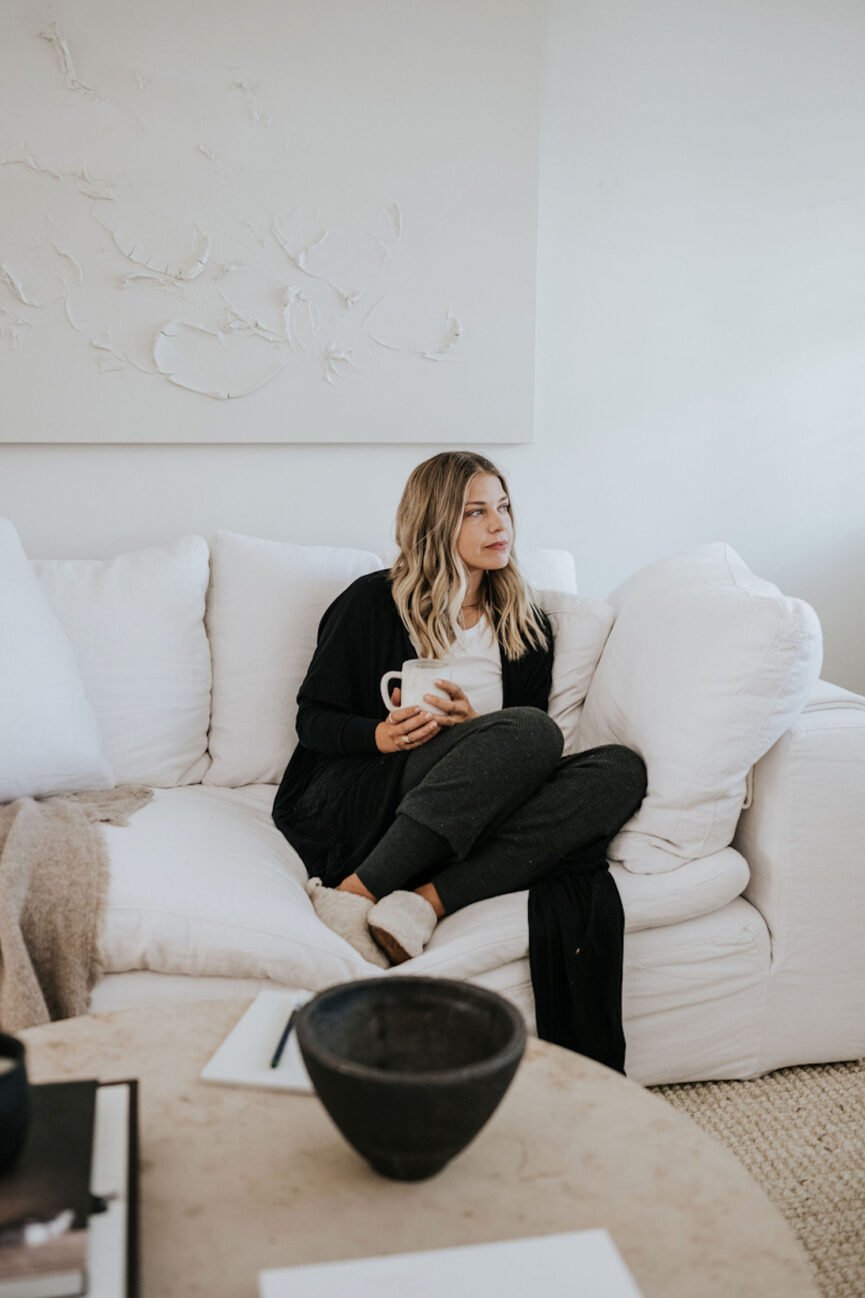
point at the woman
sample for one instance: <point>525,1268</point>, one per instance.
<point>404,818</point>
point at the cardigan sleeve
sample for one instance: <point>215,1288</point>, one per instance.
<point>330,716</point>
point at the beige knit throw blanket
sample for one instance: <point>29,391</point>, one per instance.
<point>53,891</point>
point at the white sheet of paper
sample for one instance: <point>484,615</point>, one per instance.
<point>244,1057</point>
<point>581,1264</point>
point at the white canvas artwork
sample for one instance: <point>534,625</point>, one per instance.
<point>272,222</point>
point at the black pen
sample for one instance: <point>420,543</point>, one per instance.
<point>286,1032</point>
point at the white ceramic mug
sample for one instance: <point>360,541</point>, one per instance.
<point>417,677</point>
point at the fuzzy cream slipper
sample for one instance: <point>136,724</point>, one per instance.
<point>345,913</point>
<point>402,923</point>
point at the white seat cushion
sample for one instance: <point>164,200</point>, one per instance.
<point>203,883</point>
<point>705,668</point>
<point>136,623</point>
<point>49,737</point>
<point>494,932</point>
<point>265,604</point>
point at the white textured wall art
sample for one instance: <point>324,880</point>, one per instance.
<point>268,222</point>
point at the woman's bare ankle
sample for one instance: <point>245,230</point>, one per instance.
<point>353,884</point>
<point>429,893</point>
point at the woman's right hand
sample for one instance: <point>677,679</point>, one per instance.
<point>405,728</point>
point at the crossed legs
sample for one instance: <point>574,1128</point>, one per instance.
<point>490,807</point>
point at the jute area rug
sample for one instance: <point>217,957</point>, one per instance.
<point>800,1132</point>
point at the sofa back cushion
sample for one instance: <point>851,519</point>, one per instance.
<point>136,623</point>
<point>266,601</point>
<point>49,736</point>
<point>549,570</point>
<point>705,668</point>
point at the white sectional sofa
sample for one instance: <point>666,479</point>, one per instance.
<point>742,876</point>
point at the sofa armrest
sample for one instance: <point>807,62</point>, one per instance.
<point>803,836</point>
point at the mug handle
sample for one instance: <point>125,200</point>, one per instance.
<point>385,686</point>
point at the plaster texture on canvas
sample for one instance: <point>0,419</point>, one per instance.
<point>216,363</point>
<point>210,226</point>
<point>154,242</point>
<point>450,335</point>
<point>10,326</point>
<point>55,37</point>
<point>258,110</point>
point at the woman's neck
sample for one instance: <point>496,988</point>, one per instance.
<point>471,608</point>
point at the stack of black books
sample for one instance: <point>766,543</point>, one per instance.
<point>69,1205</point>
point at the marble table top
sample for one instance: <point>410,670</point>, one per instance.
<point>235,1180</point>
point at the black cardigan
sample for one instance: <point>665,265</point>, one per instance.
<point>339,795</point>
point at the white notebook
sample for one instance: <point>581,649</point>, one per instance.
<point>581,1264</point>
<point>244,1057</point>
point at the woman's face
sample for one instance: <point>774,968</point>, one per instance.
<point>486,533</point>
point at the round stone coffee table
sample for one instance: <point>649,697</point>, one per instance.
<point>234,1180</point>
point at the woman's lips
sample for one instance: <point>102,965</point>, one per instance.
<point>499,545</point>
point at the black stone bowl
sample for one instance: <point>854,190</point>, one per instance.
<point>410,1069</point>
<point>14,1100</point>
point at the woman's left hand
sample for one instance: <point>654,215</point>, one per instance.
<point>456,708</point>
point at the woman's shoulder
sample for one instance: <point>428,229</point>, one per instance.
<point>368,592</point>
<point>372,585</point>
<point>378,580</point>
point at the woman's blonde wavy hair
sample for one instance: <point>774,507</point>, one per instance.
<point>429,579</point>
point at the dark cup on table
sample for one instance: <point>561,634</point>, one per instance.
<point>14,1100</point>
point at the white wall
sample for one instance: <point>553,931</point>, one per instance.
<point>701,329</point>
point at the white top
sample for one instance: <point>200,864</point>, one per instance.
<point>477,666</point>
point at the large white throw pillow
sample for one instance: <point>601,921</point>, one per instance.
<point>136,623</point>
<point>266,601</point>
<point>705,668</point>
<point>580,630</point>
<point>49,737</point>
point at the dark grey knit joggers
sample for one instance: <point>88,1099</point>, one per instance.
<point>506,803</point>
